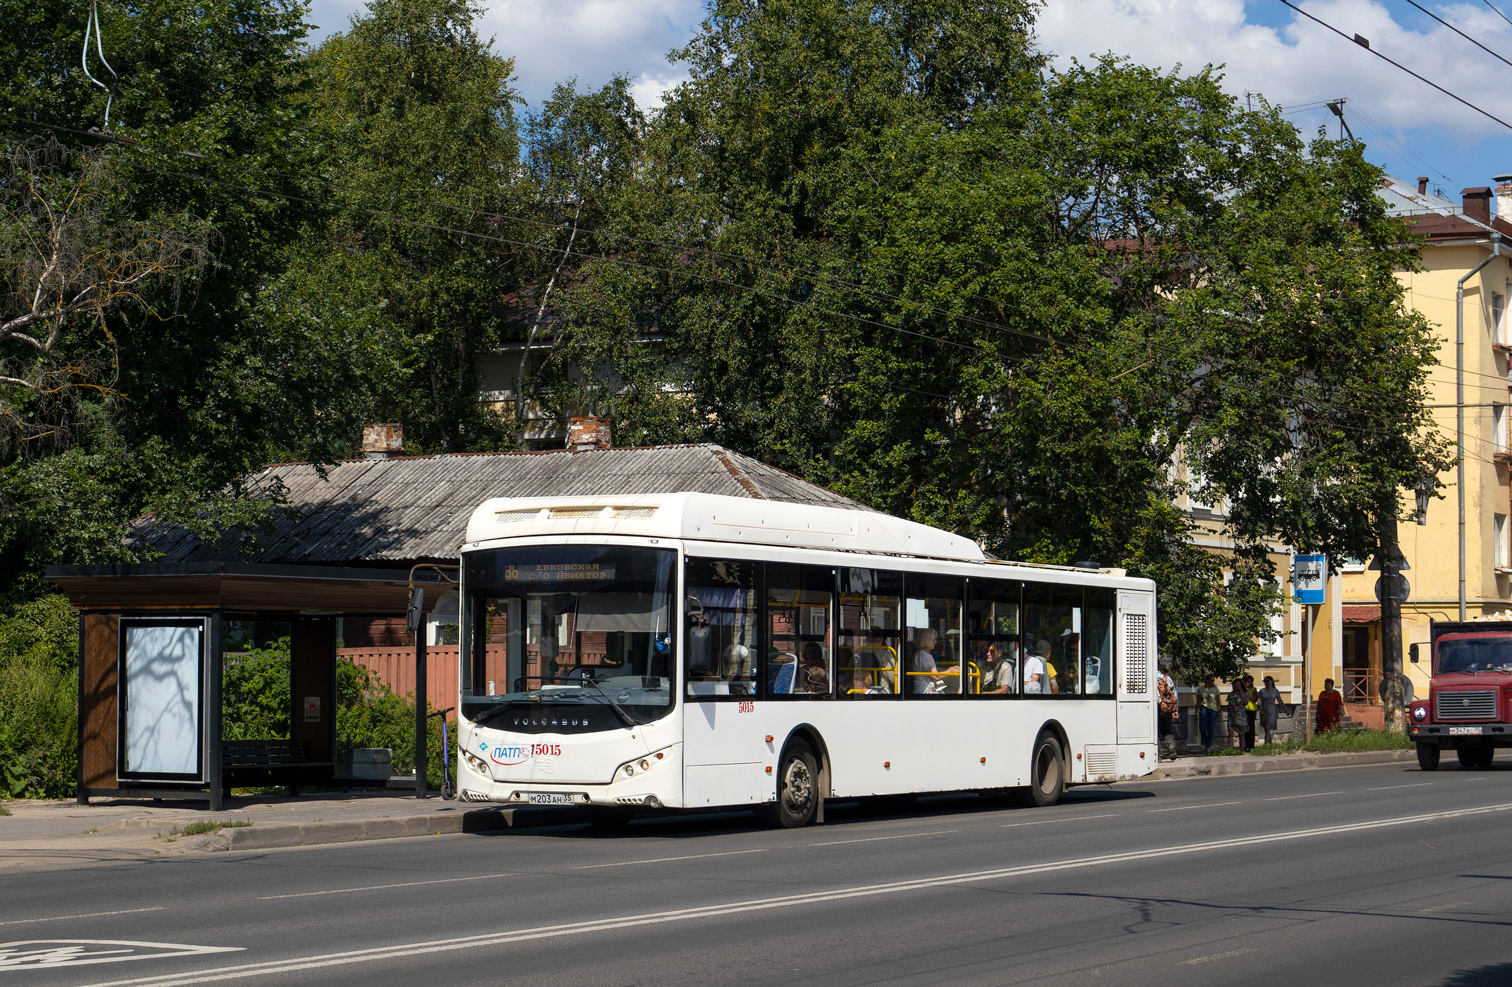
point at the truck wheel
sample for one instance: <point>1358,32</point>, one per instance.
<point>1476,755</point>
<point>797,789</point>
<point>1047,773</point>
<point>1428,756</point>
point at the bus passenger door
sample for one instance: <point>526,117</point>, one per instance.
<point>1136,667</point>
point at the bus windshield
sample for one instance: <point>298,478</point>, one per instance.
<point>582,630</point>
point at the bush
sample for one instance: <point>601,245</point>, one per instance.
<point>370,714</point>
<point>39,697</point>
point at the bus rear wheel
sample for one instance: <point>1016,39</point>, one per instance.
<point>797,789</point>
<point>1047,773</point>
<point>1428,756</point>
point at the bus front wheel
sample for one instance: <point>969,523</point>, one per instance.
<point>1047,772</point>
<point>1428,756</point>
<point>797,789</point>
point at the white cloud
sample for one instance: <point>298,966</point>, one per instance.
<point>1304,62</point>
<point>593,40</point>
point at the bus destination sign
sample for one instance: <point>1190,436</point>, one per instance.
<point>559,572</point>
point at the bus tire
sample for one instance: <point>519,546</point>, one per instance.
<point>1428,756</point>
<point>1047,772</point>
<point>797,789</point>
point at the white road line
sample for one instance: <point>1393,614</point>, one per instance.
<point>66,918</point>
<point>1047,822</point>
<point>1218,956</point>
<point>1387,788</point>
<point>1309,795</point>
<point>381,887</point>
<point>1203,805</point>
<point>683,915</point>
<point>664,860</point>
<point>900,836</point>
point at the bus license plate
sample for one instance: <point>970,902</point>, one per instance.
<point>548,798</point>
<point>1477,731</point>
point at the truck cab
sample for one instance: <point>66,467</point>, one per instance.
<point>1469,704</point>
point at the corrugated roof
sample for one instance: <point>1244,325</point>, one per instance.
<point>415,508</point>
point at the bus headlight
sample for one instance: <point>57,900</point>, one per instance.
<point>476,763</point>
<point>641,764</point>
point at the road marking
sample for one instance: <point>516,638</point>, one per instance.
<point>683,915</point>
<point>1203,805</point>
<point>49,954</point>
<point>1387,788</point>
<point>1310,795</point>
<point>1046,822</point>
<point>900,836</point>
<point>1218,956</point>
<point>66,918</point>
<point>664,860</point>
<point>1442,908</point>
<point>381,887</point>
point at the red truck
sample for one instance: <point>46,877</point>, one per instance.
<point>1469,704</point>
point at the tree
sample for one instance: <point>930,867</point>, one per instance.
<point>418,117</point>
<point>889,250</point>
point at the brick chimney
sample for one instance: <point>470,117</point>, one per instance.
<point>1476,203</point>
<point>1422,185</point>
<point>588,433</point>
<point>1504,196</point>
<point>382,441</point>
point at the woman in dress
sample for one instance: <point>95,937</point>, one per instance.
<point>1238,699</point>
<point>1270,708</point>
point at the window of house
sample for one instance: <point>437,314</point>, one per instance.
<point>1500,523</point>
<point>1499,428</point>
<point>1498,318</point>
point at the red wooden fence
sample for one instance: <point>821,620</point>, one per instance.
<point>395,668</point>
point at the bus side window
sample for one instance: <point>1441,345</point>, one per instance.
<point>1097,643</point>
<point>721,617</point>
<point>799,602</point>
<point>870,633</point>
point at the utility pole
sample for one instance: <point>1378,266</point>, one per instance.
<point>1392,595</point>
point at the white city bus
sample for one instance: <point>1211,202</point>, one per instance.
<point>697,651</point>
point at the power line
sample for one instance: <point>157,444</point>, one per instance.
<point>1459,32</point>
<point>1498,10</point>
<point>1363,43</point>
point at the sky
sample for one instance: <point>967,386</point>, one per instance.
<point>1267,50</point>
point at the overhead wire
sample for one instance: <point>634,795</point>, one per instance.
<point>1361,42</point>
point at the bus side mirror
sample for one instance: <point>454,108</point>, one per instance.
<point>1412,653</point>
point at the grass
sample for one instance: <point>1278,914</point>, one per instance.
<point>4,811</point>
<point>1332,742</point>
<point>208,826</point>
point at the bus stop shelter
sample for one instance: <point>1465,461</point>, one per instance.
<point>152,643</point>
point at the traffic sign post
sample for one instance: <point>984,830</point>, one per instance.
<point>1309,585</point>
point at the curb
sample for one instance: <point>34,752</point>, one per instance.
<point>264,835</point>
<point>1214,767</point>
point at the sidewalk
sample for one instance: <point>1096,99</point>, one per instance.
<point>53,834</point>
<point>1188,766</point>
<point>43,834</point>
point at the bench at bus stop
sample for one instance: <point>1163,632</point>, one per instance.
<point>267,762</point>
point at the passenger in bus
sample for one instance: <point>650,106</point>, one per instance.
<point>998,674</point>
<point>737,666</point>
<point>813,674</point>
<point>925,678</point>
<point>1034,673</point>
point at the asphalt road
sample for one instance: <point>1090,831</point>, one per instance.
<point>1372,875</point>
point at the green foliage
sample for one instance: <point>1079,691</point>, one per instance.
<point>1332,742</point>
<point>255,698</point>
<point>207,826</point>
<point>39,690</point>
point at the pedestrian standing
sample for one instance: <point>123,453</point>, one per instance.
<point>1207,711</point>
<point>1238,699</point>
<point>1330,707</point>
<point>1270,708</point>
<point>1251,707</point>
<point>1168,707</point>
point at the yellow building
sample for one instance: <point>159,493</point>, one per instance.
<point>1462,292</point>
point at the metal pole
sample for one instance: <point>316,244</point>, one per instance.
<point>1391,627</point>
<point>420,711</point>
<point>1310,618</point>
